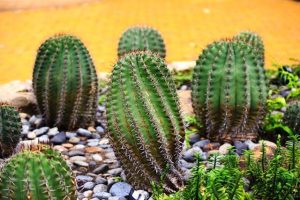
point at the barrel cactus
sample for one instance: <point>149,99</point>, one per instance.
<point>65,83</point>
<point>229,90</point>
<point>144,122</point>
<point>141,39</point>
<point>292,117</point>
<point>10,129</point>
<point>37,175</point>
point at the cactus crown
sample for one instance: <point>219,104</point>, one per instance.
<point>10,129</point>
<point>292,117</point>
<point>141,39</point>
<point>40,174</point>
<point>229,90</point>
<point>65,82</point>
<point>144,121</point>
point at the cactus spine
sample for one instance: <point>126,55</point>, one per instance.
<point>65,82</point>
<point>37,175</point>
<point>10,130</point>
<point>144,121</point>
<point>292,117</point>
<point>141,39</point>
<point>229,90</point>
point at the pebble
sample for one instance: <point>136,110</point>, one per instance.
<point>93,149</point>
<point>97,157</point>
<point>115,172</point>
<point>76,153</point>
<point>102,195</point>
<point>101,169</point>
<point>38,122</point>
<point>223,150</point>
<point>100,188</point>
<point>201,143</point>
<point>25,129</point>
<point>140,195</point>
<point>240,147</point>
<point>70,135</point>
<point>116,198</point>
<point>41,131</point>
<point>53,131</point>
<point>121,189</point>
<point>83,178</point>
<point>74,140</point>
<point>189,154</point>
<point>44,139</point>
<point>84,132</point>
<point>88,193</point>
<point>81,163</point>
<point>77,158</point>
<point>31,135</point>
<point>79,146</point>
<point>100,130</point>
<point>186,164</point>
<point>194,138</point>
<point>211,146</point>
<point>59,138</point>
<point>251,145</point>
<point>104,141</point>
<point>32,119</point>
<point>88,186</point>
<point>100,180</point>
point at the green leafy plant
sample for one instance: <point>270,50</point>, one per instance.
<point>65,83</point>
<point>292,117</point>
<point>141,39</point>
<point>38,175</point>
<point>10,129</point>
<point>182,77</point>
<point>144,122</point>
<point>229,90</point>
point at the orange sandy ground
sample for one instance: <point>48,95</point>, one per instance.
<point>186,25</point>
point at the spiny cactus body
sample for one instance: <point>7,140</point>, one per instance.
<point>65,82</point>
<point>10,129</point>
<point>37,175</point>
<point>144,121</point>
<point>229,90</point>
<point>141,39</point>
<point>292,117</point>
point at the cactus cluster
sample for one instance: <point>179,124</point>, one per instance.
<point>141,39</point>
<point>292,117</point>
<point>229,90</point>
<point>37,175</point>
<point>10,129</point>
<point>144,122</point>
<point>65,83</point>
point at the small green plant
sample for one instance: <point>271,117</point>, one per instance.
<point>229,90</point>
<point>144,122</point>
<point>10,129</point>
<point>287,77</point>
<point>38,175</point>
<point>65,83</point>
<point>182,77</point>
<point>141,39</point>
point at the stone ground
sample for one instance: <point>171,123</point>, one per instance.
<point>187,27</point>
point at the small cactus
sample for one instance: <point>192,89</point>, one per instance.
<point>141,39</point>
<point>10,129</point>
<point>144,122</point>
<point>38,175</point>
<point>292,117</point>
<point>229,90</point>
<point>65,83</point>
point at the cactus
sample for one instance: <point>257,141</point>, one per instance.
<point>229,90</point>
<point>37,175</point>
<point>141,39</point>
<point>65,83</point>
<point>292,117</point>
<point>144,121</point>
<point>10,129</point>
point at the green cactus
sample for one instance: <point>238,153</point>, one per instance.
<point>144,122</point>
<point>292,117</point>
<point>10,129</point>
<point>65,83</point>
<point>37,175</point>
<point>229,90</point>
<point>141,39</point>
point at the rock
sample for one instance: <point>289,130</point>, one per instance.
<point>201,143</point>
<point>25,129</point>
<point>59,138</point>
<point>185,102</point>
<point>91,129</point>
<point>223,150</point>
<point>67,145</point>
<point>189,155</point>
<point>100,188</point>
<point>102,195</point>
<point>140,195</point>
<point>194,138</point>
<point>79,146</point>
<point>74,140</point>
<point>269,146</point>
<point>88,186</point>
<point>53,131</point>
<point>31,135</point>
<point>97,157</point>
<point>44,139</point>
<point>240,147</point>
<point>83,179</point>
<point>60,148</point>
<point>88,194</point>
<point>101,169</point>
<point>20,95</point>
<point>38,122</point>
<point>70,135</point>
<point>185,164</point>
<point>78,158</point>
<point>211,146</point>
<point>81,163</point>
<point>84,132</point>
<point>285,92</point>
<point>116,198</point>
<point>115,172</point>
<point>93,149</point>
<point>76,153</point>
<point>100,180</point>
<point>100,130</point>
<point>251,145</point>
<point>121,189</point>
<point>41,131</point>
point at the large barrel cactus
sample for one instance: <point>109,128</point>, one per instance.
<point>229,90</point>
<point>37,175</point>
<point>251,39</point>
<point>292,117</point>
<point>10,129</point>
<point>144,122</point>
<point>141,39</point>
<point>65,82</point>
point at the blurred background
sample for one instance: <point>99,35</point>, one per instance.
<point>187,26</point>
